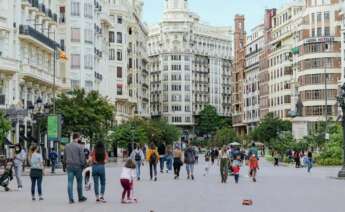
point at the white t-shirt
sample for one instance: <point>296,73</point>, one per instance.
<point>128,174</point>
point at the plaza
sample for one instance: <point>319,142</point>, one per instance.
<point>280,189</point>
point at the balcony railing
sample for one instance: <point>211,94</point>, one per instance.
<point>28,30</point>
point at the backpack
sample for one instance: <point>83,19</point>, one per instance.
<point>153,158</point>
<point>137,156</point>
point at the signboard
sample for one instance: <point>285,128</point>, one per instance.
<point>54,126</point>
<point>65,141</point>
<point>319,40</point>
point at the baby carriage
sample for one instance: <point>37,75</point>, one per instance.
<point>7,176</point>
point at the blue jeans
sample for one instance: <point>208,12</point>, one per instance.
<point>190,169</point>
<point>53,164</point>
<point>37,180</point>
<point>77,173</point>
<point>138,168</point>
<point>169,161</point>
<point>310,166</point>
<point>98,174</point>
<point>161,162</point>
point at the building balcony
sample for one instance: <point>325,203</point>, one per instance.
<point>105,18</point>
<point>32,35</point>
<point>40,75</point>
<point>8,65</point>
<point>145,85</point>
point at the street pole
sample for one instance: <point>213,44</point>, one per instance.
<point>54,73</point>
<point>326,106</point>
<point>341,101</point>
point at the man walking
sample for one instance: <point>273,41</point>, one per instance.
<point>53,159</point>
<point>161,152</point>
<point>139,157</point>
<point>189,159</point>
<point>74,160</point>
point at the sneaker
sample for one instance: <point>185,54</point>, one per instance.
<point>33,199</point>
<point>20,188</point>
<point>102,200</point>
<point>192,177</point>
<point>41,198</point>
<point>138,178</point>
<point>71,201</point>
<point>155,178</point>
<point>188,177</point>
<point>83,199</point>
<point>97,200</point>
<point>124,201</point>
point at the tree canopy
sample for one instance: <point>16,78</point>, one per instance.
<point>270,128</point>
<point>87,113</point>
<point>209,121</point>
<point>5,126</point>
<point>225,136</point>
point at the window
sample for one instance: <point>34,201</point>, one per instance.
<point>187,108</point>
<point>88,35</point>
<point>313,32</point>
<point>313,18</point>
<point>119,37</point>
<point>319,32</point>
<point>112,54</point>
<point>75,84</point>
<point>319,17</point>
<point>326,16</point>
<point>176,57</point>
<point>88,85</point>
<point>75,61</point>
<point>119,19</point>
<point>187,87</point>
<point>75,8</point>
<point>119,72</point>
<point>327,32</point>
<point>176,87</point>
<point>119,55</point>
<point>88,61</point>
<point>111,37</point>
<point>88,13</point>
<point>119,89</point>
<point>75,34</point>
<point>176,67</point>
<point>176,119</point>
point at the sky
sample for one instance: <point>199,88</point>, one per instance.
<point>217,12</point>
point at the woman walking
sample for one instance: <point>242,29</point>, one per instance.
<point>169,157</point>
<point>36,172</point>
<point>152,157</point>
<point>310,161</point>
<point>224,164</point>
<point>177,162</point>
<point>127,179</point>
<point>19,160</point>
<point>99,158</point>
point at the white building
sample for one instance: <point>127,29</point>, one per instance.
<point>128,60</point>
<point>318,40</point>
<point>28,37</point>
<point>280,69</point>
<point>343,44</point>
<point>190,65</point>
<point>254,46</point>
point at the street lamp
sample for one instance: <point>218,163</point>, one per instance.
<point>341,101</point>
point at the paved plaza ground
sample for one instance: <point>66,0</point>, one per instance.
<point>281,189</point>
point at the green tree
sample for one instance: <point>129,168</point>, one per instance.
<point>127,133</point>
<point>160,131</point>
<point>270,128</point>
<point>87,113</point>
<point>225,136</point>
<point>209,121</point>
<point>5,126</point>
<point>282,143</point>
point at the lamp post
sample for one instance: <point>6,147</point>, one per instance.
<point>341,101</point>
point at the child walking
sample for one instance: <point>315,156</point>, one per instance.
<point>236,168</point>
<point>127,178</point>
<point>253,166</point>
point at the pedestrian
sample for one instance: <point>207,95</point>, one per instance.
<point>213,156</point>
<point>86,150</point>
<point>207,162</point>
<point>297,159</point>
<point>74,160</point>
<point>310,161</point>
<point>162,152</point>
<point>177,161</point>
<point>236,166</point>
<point>99,157</point>
<point>224,164</point>
<point>276,158</point>
<point>53,156</point>
<point>189,160</point>
<point>253,150</point>
<point>36,172</point>
<point>19,159</point>
<point>169,157</point>
<point>152,157</point>
<point>138,156</point>
<point>127,180</point>
<point>253,166</point>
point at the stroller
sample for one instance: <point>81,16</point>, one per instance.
<point>7,176</point>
